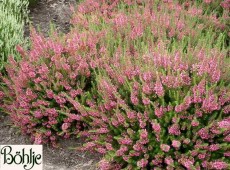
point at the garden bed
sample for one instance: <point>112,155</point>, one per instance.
<point>145,83</point>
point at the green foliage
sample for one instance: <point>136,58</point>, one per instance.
<point>13,14</point>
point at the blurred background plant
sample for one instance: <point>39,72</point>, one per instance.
<point>13,14</point>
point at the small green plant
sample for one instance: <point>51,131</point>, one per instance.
<point>13,14</point>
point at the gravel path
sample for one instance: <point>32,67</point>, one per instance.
<point>47,11</point>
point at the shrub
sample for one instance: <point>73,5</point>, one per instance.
<point>13,14</point>
<point>162,111</point>
<point>161,96</point>
<point>37,86</point>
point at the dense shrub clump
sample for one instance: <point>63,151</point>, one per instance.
<point>42,85</point>
<point>162,93</point>
<point>146,82</point>
<point>160,111</point>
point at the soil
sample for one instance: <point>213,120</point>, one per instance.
<point>46,12</point>
<point>62,158</point>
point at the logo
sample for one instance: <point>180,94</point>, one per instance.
<point>21,157</point>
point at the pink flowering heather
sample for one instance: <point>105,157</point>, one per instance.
<point>166,79</point>
<point>39,88</point>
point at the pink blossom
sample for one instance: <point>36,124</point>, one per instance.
<point>142,163</point>
<point>159,88</point>
<point>146,89</point>
<point>121,151</point>
<point>159,112</point>
<point>201,156</point>
<point>143,134</point>
<point>137,147</point>
<point>174,129</point>
<point>214,147</point>
<point>120,118</point>
<point>125,141</point>
<point>1,95</point>
<point>38,139</point>
<point>225,124</point>
<point>210,104</point>
<point>147,76</point>
<point>169,161</point>
<point>195,123</point>
<point>187,163</point>
<point>226,109</point>
<point>156,127</point>
<point>146,101</point>
<point>50,94</point>
<point>227,138</point>
<point>101,150</point>
<point>131,115</point>
<point>102,130</point>
<point>74,117</point>
<point>109,146</point>
<point>207,1</point>
<point>120,20</point>
<point>137,31</point>
<point>134,99</point>
<point>104,164</point>
<point>219,165</point>
<point>225,4</point>
<point>165,147</point>
<point>176,144</point>
<point>65,126</point>
<point>227,154</point>
<point>203,133</point>
<point>38,114</point>
<point>48,133</point>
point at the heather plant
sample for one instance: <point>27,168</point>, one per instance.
<point>161,96</point>
<point>161,111</point>
<point>142,24</point>
<point>41,87</point>
<point>13,14</point>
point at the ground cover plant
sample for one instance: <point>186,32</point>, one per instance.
<point>146,82</point>
<point>13,14</point>
<point>36,91</point>
<point>162,96</point>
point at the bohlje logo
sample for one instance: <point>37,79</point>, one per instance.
<point>21,157</point>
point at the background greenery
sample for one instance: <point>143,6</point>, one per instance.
<point>13,14</point>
